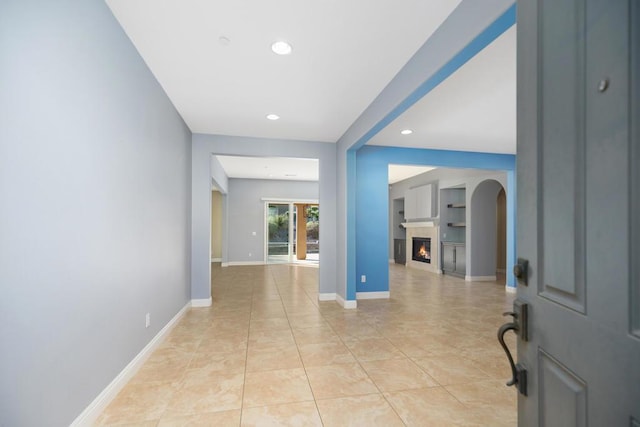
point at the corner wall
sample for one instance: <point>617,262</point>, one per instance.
<point>372,200</point>
<point>94,207</point>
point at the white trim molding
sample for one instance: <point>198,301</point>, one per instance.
<point>480,278</point>
<point>241,263</point>
<point>391,260</point>
<point>216,259</point>
<point>349,304</point>
<point>510,289</point>
<point>224,264</point>
<point>326,297</point>
<point>281,200</point>
<point>92,412</point>
<point>373,295</point>
<point>418,224</point>
<point>204,302</point>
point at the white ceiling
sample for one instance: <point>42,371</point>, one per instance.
<point>283,168</point>
<point>344,54</point>
<point>472,110</point>
<point>398,173</point>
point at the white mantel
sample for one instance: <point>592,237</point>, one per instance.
<point>418,224</point>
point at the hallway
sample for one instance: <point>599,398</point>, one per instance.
<point>267,353</point>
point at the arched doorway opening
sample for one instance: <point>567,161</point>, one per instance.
<point>488,232</point>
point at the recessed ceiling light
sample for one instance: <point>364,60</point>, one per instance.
<point>273,116</point>
<point>406,132</point>
<point>281,48</point>
<point>224,41</point>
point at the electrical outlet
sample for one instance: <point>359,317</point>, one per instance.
<point>147,320</point>
<point>253,233</point>
<point>363,278</point>
<point>249,253</point>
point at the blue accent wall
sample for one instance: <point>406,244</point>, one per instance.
<point>351,225</point>
<point>372,219</point>
<point>372,200</point>
<point>370,253</point>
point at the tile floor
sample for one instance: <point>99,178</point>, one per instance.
<point>269,354</point>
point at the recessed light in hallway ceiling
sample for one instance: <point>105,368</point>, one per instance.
<point>281,48</point>
<point>273,116</point>
<point>406,132</point>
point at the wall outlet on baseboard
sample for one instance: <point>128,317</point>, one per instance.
<point>147,320</point>
<point>363,278</point>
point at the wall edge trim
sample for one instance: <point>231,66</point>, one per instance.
<point>373,295</point>
<point>106,396</point>
<point>347,304</point>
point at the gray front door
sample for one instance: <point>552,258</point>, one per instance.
<point>578,210</point>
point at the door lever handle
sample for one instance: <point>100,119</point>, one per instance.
<point>512,326</point>
<point>519,326</point>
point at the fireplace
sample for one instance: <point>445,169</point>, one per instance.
<point>421,249</point>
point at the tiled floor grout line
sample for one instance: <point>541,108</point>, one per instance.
<point>426,331</point>
<point>304,367</point>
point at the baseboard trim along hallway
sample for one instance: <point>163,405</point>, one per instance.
<point>91,413</point>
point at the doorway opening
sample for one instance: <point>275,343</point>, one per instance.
<point>292,233</point>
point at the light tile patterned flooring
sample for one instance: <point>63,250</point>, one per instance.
<point>269,354</point>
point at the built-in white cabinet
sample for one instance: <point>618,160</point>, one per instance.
<point>418,203</point>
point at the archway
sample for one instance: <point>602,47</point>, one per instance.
<point>485,230</point>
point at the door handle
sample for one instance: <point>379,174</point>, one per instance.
<point>521,271</point>
<point>519,326</point>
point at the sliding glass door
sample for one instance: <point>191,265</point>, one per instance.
<point>292,232</point>
<point>281,231</point>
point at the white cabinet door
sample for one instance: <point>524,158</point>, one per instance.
<point>417,203</point>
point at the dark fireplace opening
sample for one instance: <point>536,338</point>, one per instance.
<point>421,249</point>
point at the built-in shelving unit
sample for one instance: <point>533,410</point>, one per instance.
<point>453,218</point>
<point>457,224</point>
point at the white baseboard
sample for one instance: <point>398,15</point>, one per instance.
<point>205,302</point>
<point>391,261</point>
<point>480,278</point>
<point>326,297</point>
<point>224,264</point>
<point>373,295</point>
<point>510,289</point>
<point>346,303</point>
<point>239,263</point>
<point>91,413</point>
<point>216,259</point>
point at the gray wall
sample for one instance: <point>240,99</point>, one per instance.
<point>483,229</point>
<point>247,212</point>
<point>94,207</point>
